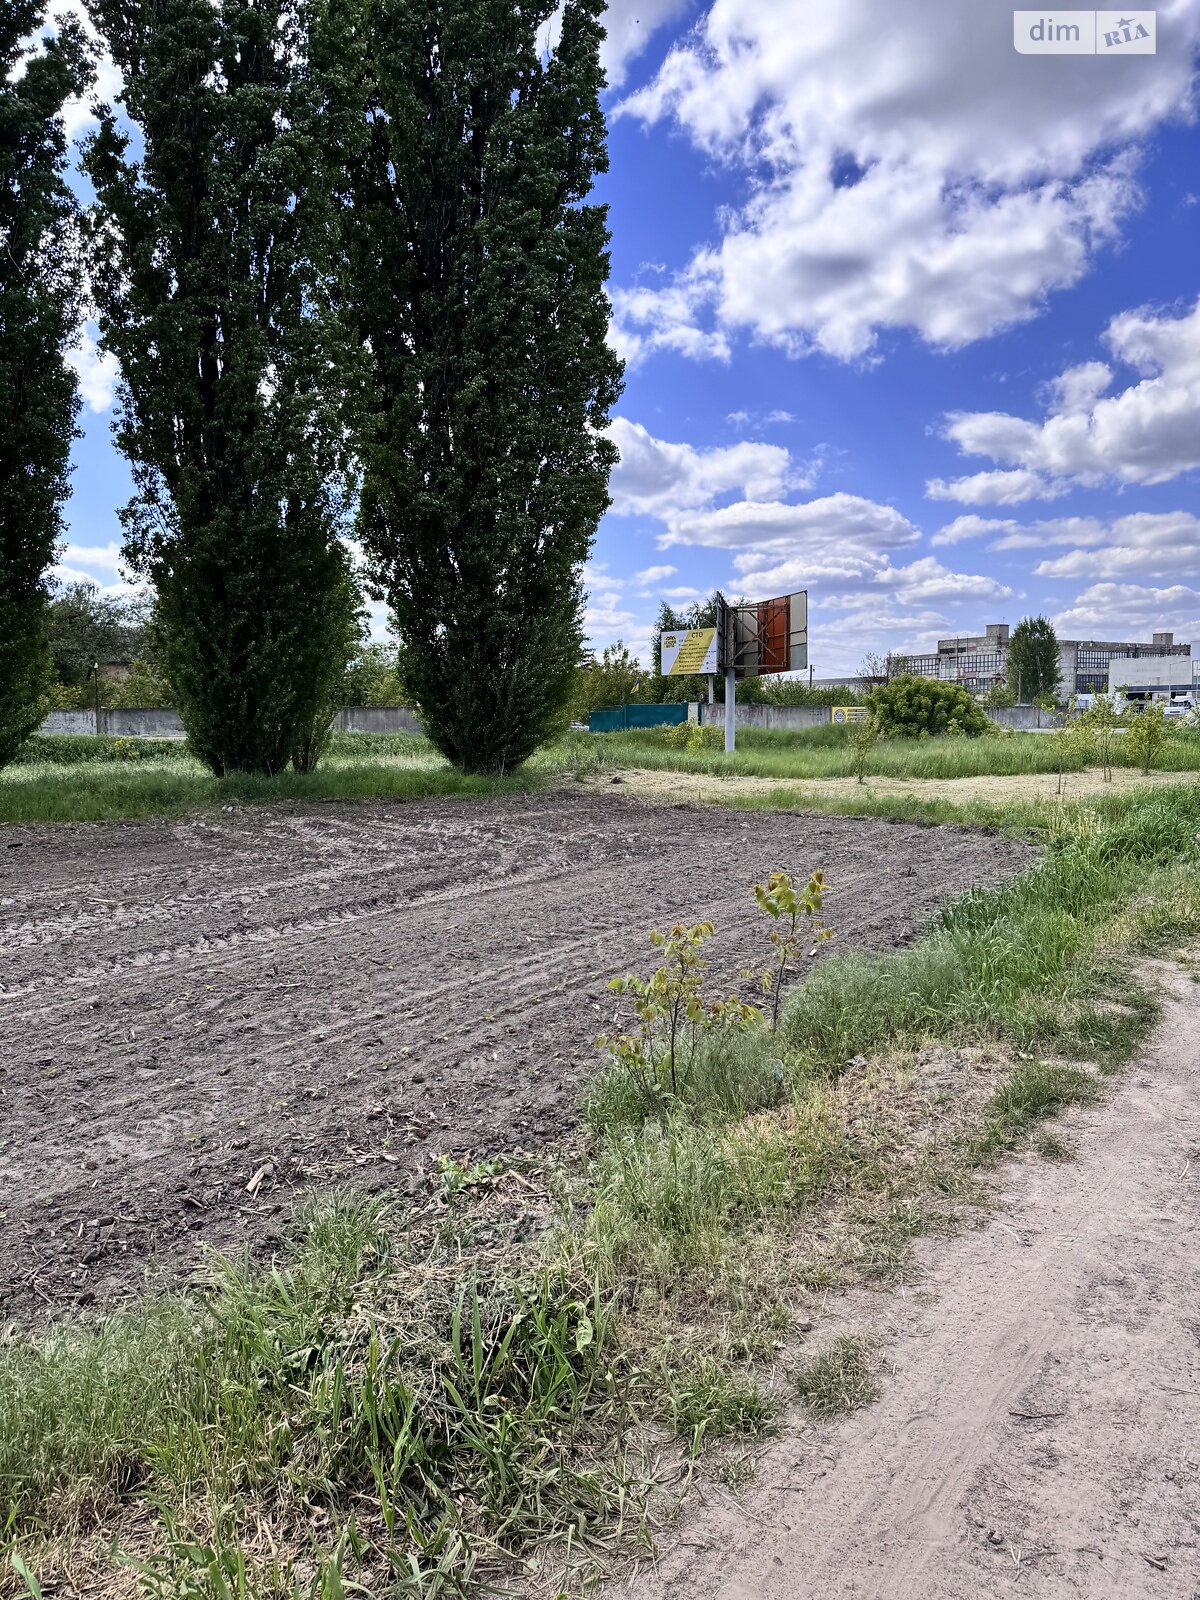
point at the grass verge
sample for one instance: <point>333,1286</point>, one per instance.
<point>109,791</point>
<point>369,1404</point>
<point>825,752</point>
<point>421,1403</point>
<point>84,779</point>
<point>1028,960</point>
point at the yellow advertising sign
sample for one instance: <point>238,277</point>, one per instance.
<point>689,653</point>
<point>844,714</point>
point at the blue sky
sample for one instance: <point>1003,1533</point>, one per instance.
<point>911,321</point>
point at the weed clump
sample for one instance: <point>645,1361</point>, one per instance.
<point>445,1429</point>
<point>839,1380</point>
<point>709,1401</point>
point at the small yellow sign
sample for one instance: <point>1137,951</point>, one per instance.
<point>844,714</point>
<point>686,654</point>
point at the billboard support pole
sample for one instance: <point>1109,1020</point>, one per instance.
<point>730,711</point>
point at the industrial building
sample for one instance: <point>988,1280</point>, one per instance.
<point>1154,677</point>
<point>979,662</point>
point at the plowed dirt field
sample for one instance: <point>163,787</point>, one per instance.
<point>336,992</point>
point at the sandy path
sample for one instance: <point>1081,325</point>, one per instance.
<point>1040,1434</point>
<point>1029,787</point>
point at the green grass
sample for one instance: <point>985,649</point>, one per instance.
<point>838,1380</point>
<point>65,779</point>
<point>1021,960</point>
<point>1035,1091</point>
<point>707,1401</point>
<point>670,1201</point>
<point>438,1417</point>
<point>103,792</point>
<point>1018,819</point>
<point>826,753</point>
<point>74,750</point>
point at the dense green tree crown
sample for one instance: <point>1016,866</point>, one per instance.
<point>1034,670</point>
<point>909,707</point>
<point>85,629</point>
<point>209,234</point>
<point>39,311</point>
<point>612,679</point>
<point>475,270</point>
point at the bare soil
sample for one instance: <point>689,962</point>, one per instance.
<point>337,992</point>
<point>1038,1431</point>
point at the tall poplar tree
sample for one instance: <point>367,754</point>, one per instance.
<point>475,268</point>
<point>210,238</point>
<point>39,311</point>
<point>1034,671</point>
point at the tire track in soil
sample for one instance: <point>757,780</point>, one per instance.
<point>342,990</point>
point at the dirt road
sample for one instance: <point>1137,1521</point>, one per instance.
<point>1040,1432</point>
<point>1029,788</point>
<point>338,991</point>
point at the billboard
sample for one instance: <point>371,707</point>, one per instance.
<point>756,639</point>
<point>690,652</point>
<point>769,636</point>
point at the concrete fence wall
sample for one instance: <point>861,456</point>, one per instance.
<point>1025,718</point>
<point>76,722</point>
<point>121,723</point>
<point>377,719</point>
<point>773,716</point>
<point>142,723</point>
<point>163,723</point>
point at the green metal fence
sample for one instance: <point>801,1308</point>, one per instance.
<point>619,719</point>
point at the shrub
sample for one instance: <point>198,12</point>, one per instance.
<point>909,707</point>
<point>1147,736</point>
<point>1100,723</point>
<point>694,737</point>
<point>672,1015</point>
<point>73,750</point>
<point>862,739</point>
<point>792,912</point>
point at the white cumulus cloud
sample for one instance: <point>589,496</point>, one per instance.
<point>1125,611</point>
<point>994,488</point>
<point>1145,432</point>
<point>1144,545</point>
<point>104,557</point>
<point>96,371</point>
<point>972,527</point>
<point>902,167</point>
<point>657,478</point>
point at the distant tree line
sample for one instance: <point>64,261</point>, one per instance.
<point>108,648</point>
<point>346,256</point>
